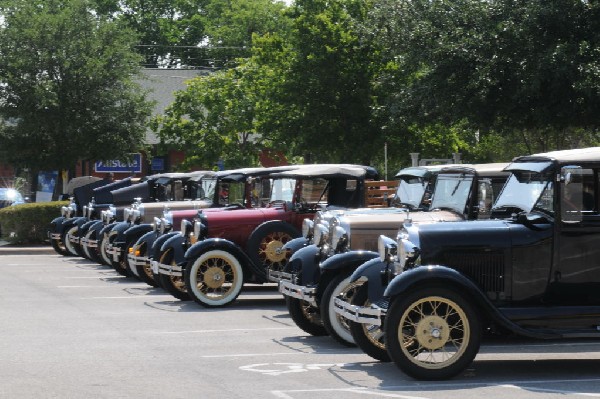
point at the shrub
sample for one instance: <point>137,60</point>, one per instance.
<point>28,223</point>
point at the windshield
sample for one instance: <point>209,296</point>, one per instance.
<point>410,191</point>
<point>452,192</point>
<point>205,190</point>
<point>231,193</point>
<point>283,190</point>
<point>523,191</point>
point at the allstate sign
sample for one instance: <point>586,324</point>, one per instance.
<point>134,165</point>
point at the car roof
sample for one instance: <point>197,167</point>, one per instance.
<point>423,170</point>
<point>590,154</point>
<point>330,171</point>
<point>243,173</point>
<point>482,169</point>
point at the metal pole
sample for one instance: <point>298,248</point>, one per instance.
<point>385,157</point>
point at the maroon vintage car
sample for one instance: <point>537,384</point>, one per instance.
<point>240,246</point>
<point>234,189</point>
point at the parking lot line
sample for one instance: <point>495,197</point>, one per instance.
<point>228,330</point>
<point>359,390</point>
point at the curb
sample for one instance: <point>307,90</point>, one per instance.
<point>14,250</point>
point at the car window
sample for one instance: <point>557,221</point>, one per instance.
<point>578,194</point>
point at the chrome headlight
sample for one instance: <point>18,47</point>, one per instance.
<point>136,215</point>
<point>387,248</point>
<point>127,214</point>
<point>156,225</point>
<point>186,227</point>
<point>200,230</point>
<point>64,211</point>
<point>85,211</point>
<point>307,228</point>
<point>165,225</point>
<point>320,235</point>
<point>339,238</point>
<point>408,252</point>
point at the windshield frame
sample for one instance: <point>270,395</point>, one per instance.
<point>514,192</point>
<point>459,204</point>
<point>414,193</point>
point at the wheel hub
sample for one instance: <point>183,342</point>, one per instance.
<point>214,277</point>
<point>432,332</point>
<point>275,252</point>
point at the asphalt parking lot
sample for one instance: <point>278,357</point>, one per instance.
<point>70,328</point>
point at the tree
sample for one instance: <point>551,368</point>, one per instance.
<point>521,73</point>
<point>328,83</point>
<point>68,85</point>
<point>222,115</point>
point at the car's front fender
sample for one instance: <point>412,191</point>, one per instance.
<point>372,271</point>
<point>251,271</point>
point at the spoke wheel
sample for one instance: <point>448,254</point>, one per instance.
<point>305,316</point>
<point>432,333</point>
<point>174,285</point>
<point>102,247</point>
<point>59,247</point>
<point>368,337</point>
<point>336,325</point>
<point>214,279</point>
<point>271,252</point>
<point>72,232</point>
<point>94,253</point>
<point>143,272</point>
<point>265,245</point>
<point>85,249</point>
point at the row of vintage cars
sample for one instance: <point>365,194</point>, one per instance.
<point>460,253</point>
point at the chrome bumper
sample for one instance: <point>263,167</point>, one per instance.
<point>88,242</point>
<point>359,314</point>
<point>114,252</point>
<point>55,236</point>
<point>308,294</point>
<point>169,270</point>
<point>277,276</point>
<point>73,239</point>
<point>137,260</point>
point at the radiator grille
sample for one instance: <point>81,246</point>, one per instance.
<point>486,269</point>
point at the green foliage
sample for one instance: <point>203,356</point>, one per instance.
<point>28,223</point>
<point>525,70</point>
<point>68,88</point>
<point>328,83</point>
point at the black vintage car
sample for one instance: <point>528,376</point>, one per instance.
<point>534,272</point>
<point>322,272</point>
<point>62,229</point>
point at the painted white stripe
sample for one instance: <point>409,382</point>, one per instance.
<point>361,391</point>
<point>254,355</point>
<point>129,297</point>
<point>457,385</point>
<point>94,277</point>
<point>227,330</point>
<point>560,391</point>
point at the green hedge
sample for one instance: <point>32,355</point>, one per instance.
<point>28,223</point>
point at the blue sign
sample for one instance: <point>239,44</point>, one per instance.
<point>134,165</point>
<point>158,164</point>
